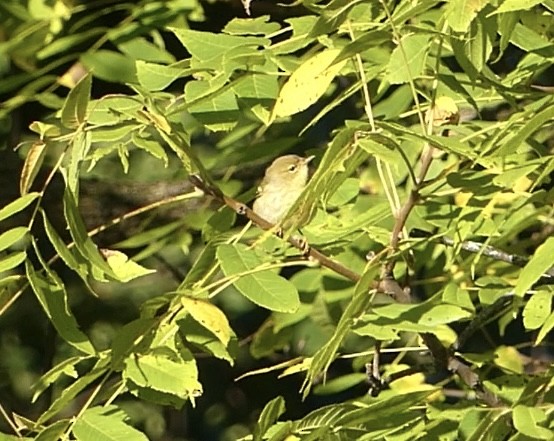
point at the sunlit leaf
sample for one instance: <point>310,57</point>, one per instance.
<point>263,287</point>
<point>106,423</point>
<point>308,83</point>
<point>74,109</point>
<point>542,260</point>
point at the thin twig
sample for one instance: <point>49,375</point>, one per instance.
<point>10,422</point>
<point>485,250</point>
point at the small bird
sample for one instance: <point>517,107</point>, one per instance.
<point>283,183</point>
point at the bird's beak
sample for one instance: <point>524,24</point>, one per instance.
<point>308,159</point>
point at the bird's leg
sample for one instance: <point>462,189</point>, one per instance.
<point>302,245</point>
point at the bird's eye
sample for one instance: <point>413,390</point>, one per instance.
<point>292,168</point>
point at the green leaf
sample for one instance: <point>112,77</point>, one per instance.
<point>69,42</point>
<point>382,409</point>
<point>80,146</point>
<point>140,48</point>
<point>443,314</point>
<point>12,260</point>
<point>460,13</point>
<point>366,41</point>
<point>506,25</point>
<point>155,77</point>
<point>10,237</point>
<point>112,109</point>
<point>527,419</point>
<point>207,46</point>
<point>220,222</point>
<point>124,268</point>
<point>210,317</point>
<point>151,146</point>
<point>127,337</point>
<point>257,88</point>
<point>105,424</point>
<point>347,191</point>
<point>445,143</point>
<point>308,83</point>
<point>537,310</point>
<point>454,295</point>
<point>516,5</point>
<point>202,265</point>
<point>18,205</point>
<point>251,26</point>
<point>480,41</point>
<point>53,432</point>
<point>83,242</point>
<point>160,373</point>
<point>327,353</point>
<point>377,331</point>
<point>219,113</point>
<point>542,261</point>
<point>527,39</point>
<point>70,392</point>
<point>408,59</point>
<point>112,133</point>
<point>52,296</point>
<point>110,66</point>
<point>301,28</point>
<point>547,327</point>
<point>531,125</point>
<point>71,258</point>
<point>263,287</point>
<point>203,339</point>
<point>147,237</point>
<point>74,110</point>
<point>271,412</point>
<point>477,425</point>
<point>388,152</point>
<point>66,367</point>
<point>340,384</point>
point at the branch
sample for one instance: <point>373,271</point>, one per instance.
<point>441,355</point>
<point>440,114</point>
<point>485,250</point>
<point>296,241</point>
<point>446,360</point>
<point>493,253</point>
<point>484,316</point>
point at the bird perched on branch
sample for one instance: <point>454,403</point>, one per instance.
<point>283,183</point>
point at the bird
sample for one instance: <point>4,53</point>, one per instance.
<point>281,186</point>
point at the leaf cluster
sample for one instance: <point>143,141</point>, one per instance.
<point>433,159</point>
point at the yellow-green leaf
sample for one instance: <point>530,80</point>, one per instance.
<point>307,83</point>
<point>542,260</point>
<point>210,317</point>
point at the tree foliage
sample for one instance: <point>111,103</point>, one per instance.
<point>428,277</point>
